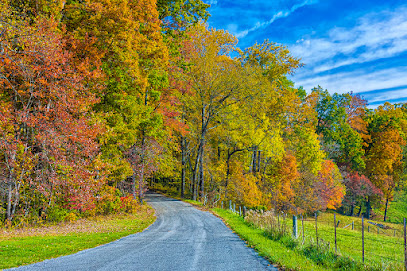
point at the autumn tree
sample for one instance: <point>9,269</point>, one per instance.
<point>340,140</point>
<point>134,60</point>
<point>212,87</point>
<point>384,150</point>
<point>48,135</point>
<point>358,188</point>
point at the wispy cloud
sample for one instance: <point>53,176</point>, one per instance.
<point>374,97</point>
<point>376,36</point>
<point>358,81</point>
<point>278,15</point>
<point>365,57</point>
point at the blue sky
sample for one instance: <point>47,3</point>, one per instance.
<point>346,45</point>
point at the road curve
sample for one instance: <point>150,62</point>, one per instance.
<point>182,238</point>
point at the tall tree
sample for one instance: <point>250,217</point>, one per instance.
<point>384,151</point>
<point>343,144</point>
<point>134,57</point>
<point>47,134</point>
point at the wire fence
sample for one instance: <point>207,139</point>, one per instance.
<point>362,240</point>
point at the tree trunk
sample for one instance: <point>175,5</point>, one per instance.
<point>16,199</point>
<point>368,208</point>
<point>227,173</point>
<point>385,210</point>
<point>194,177</point>
<point>140,184</point>
<point>192,173</point>
<point>360,208</point>
<point>9,201</point>
<point>352,209</point>
<point>255,159</point>
<point>199,157</point>
<point>141,179</point>
<point>133,185</point>
<point>258,160</point>
<point>183,162</point>
<point>201,174</point>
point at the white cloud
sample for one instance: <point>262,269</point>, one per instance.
<point>278,15</point>
<point>385,96</point>
<point>369,40</point>
<point>379,37</point>
<point>356,81</point>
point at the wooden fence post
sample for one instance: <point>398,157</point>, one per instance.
<point>405,245</point>
<point>295,226</point>
<point>316,226</point>
<point>363,240</point>
<point>353,225</point>
<point>303,235</point>
<point>336,249</point>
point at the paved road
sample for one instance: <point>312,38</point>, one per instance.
<point>182,238</point>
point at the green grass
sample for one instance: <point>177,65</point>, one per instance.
<point>381,252</point>
<point>277,252</point>
<point>17,249</point>
<point>397,208</point>
<point>193,202</point>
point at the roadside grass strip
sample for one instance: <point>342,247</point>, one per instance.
<point>275,251</point>
<point>30,245</point>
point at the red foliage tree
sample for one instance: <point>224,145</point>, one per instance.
<point>358,188</point>
<point>47,135</point>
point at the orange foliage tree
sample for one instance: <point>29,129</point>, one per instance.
<point>328,186</point>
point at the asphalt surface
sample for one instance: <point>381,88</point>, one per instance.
<point>182,238</point>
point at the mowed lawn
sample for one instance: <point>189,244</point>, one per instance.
<point>25,246</point>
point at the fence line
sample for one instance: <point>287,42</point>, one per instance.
<point>339,238</point>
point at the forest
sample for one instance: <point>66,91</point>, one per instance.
<point>101,98</point>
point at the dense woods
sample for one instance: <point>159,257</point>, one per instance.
<point>100,98</point>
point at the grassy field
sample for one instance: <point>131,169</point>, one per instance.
<point>382,251</point>
<point>30,245</point>
<point>397,208</point>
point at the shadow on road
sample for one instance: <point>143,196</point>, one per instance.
<point>151,196</point>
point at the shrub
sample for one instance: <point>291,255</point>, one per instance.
<point>129,204</point>
<point>71,217</point>
<point>56,214</point>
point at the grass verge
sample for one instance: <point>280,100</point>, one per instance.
<point>275,251</point>
<point>30,245</point>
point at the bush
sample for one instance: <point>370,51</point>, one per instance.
<point>56,214</point>
<point>70,217</point>
<point>129,204</point>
